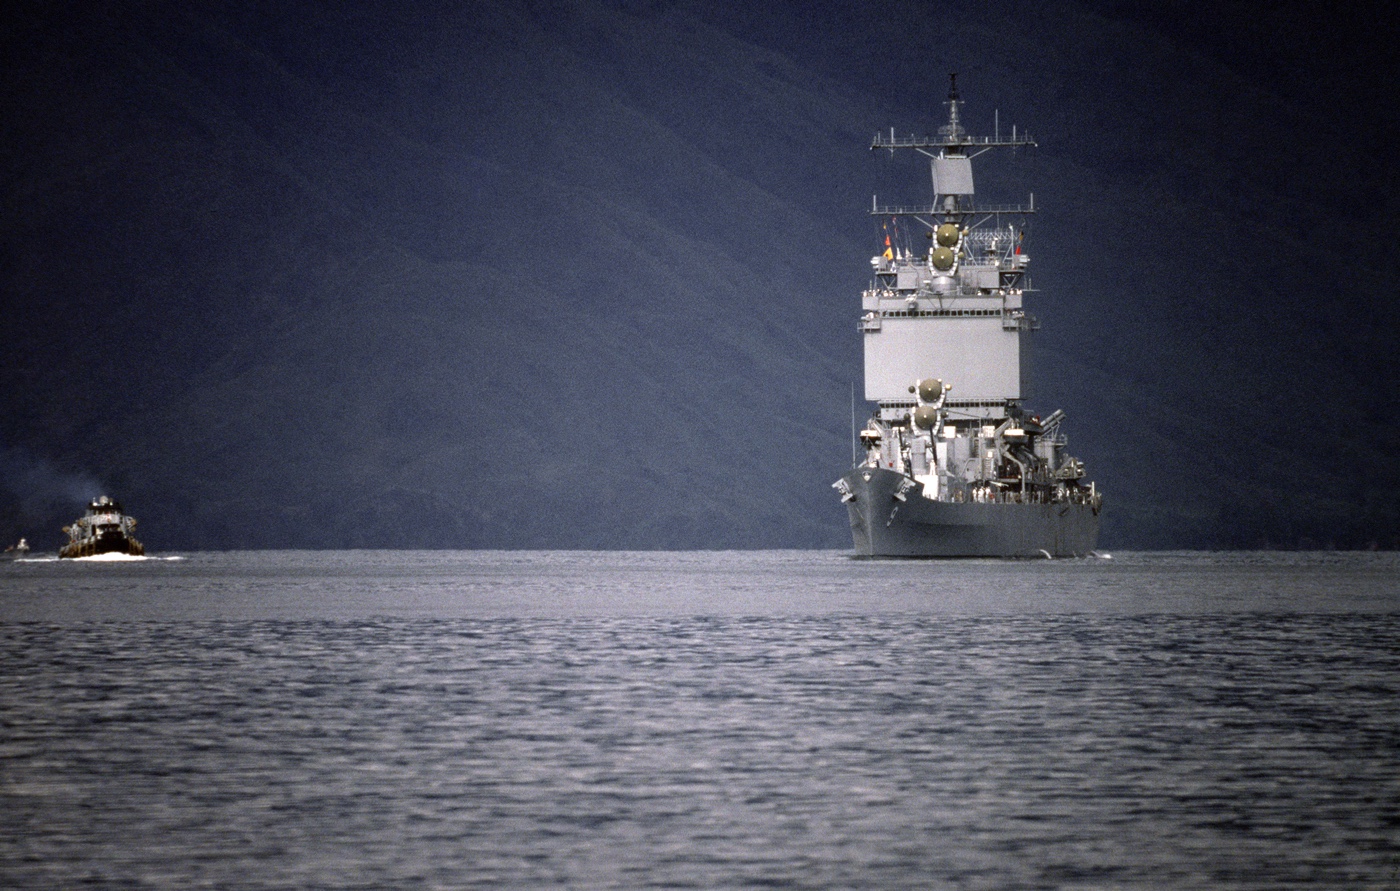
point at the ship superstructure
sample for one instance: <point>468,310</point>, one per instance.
<point>953,465</point>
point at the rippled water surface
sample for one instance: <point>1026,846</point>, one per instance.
<point>700,720</point>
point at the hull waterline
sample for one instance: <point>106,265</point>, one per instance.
<point>886,522</point>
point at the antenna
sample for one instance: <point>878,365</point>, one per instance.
<point>952,131</point>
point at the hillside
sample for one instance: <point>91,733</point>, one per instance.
<point>586,274</point>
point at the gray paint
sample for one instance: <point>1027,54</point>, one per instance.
<point>952,467</point>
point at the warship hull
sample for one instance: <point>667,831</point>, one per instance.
<point>891,518</point>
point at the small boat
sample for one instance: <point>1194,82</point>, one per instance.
<point>103,530</point>
<point>16,551</point>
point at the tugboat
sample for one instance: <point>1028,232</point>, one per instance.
<point>16,551</point>
<point>103,530</point>
<point>954,467</point>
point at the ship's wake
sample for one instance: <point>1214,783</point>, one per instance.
<point>102,558</point>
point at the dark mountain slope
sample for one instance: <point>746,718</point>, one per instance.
<point>585,275</point>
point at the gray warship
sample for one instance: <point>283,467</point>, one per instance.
<point>953,465</point>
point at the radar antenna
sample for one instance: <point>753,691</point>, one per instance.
<point>952,132</point>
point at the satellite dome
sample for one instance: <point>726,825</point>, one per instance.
<point>947,235</point>
<point>930,389</point>
<point>925,417</point>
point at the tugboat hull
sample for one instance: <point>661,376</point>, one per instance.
<point>109,545</point>
<point>890,517</point>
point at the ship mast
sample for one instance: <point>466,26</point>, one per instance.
<point>954,313</point>
<point>957,149</point>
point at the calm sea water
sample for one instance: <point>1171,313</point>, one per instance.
<point>700,720</point>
